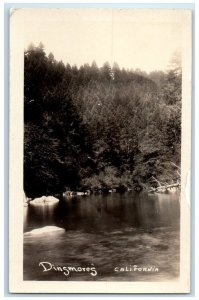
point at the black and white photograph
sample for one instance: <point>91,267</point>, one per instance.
<point>103,109</point>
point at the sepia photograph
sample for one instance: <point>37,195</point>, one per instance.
<point>104,121</point>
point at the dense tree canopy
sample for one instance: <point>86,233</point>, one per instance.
<point>97,128</point>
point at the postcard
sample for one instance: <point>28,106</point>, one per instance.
<point>100,150</point>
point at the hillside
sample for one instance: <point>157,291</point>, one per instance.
<point>97,128</point>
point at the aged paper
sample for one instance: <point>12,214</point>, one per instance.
<point>99,240</point>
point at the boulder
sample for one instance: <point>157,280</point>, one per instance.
<point>44,200</point>
<point>80,193</point>
<point>45,230</point>
<point>68,194</point>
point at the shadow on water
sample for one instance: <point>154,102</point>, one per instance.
<point>110,232</point>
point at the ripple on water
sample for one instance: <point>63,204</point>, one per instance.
<point>127,232</point>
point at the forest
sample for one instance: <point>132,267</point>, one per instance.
<point>98,128</point>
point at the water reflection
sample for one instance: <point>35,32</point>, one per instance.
<point>36,216</point>
<point>107,230</point>
<point>25,216</point>
<point>97,212</point>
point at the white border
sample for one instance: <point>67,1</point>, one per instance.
<point>196,125</point>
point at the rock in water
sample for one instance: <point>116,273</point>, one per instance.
<point>44,230</point>
<point>45,199</point>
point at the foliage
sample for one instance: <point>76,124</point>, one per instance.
<point>87,129</point>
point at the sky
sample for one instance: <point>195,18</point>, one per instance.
<point>144,39</point>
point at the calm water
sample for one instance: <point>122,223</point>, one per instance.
<point>110,234</point>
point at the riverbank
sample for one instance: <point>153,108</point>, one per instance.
<point>101,191</point>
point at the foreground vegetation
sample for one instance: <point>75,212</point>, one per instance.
<point>98,128</point>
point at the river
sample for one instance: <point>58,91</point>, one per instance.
<point>121,237</point>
